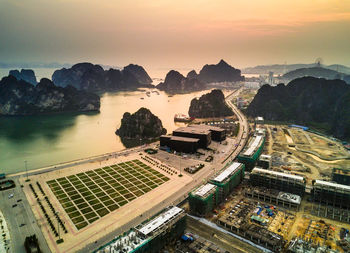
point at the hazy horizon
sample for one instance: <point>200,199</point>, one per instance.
<point>173,35</point>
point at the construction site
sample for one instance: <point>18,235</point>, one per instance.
<point>274,206</point>
<point>305,152</point>
<point>253,149</point>
<point>151,235</point>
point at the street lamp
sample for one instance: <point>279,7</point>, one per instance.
<point>25,165</point>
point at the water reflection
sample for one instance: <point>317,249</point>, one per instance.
<point>28,128</point>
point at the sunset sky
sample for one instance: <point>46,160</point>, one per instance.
<point>175,34</point>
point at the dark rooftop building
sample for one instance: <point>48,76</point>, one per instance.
<point>204,135</point>
<point>217,133</point>
<point>180,144</point>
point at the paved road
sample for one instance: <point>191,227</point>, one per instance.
<point>243,133</point>
<point>21,214</point>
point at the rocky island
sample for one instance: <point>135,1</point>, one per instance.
<point>216,73</point>
<point>316,102</point>
<point>176,83</point>
<point>140,125</point>
<point>210,105</point>
<point>18,97</point>
<point>27,75</point>
<point>93,78</point>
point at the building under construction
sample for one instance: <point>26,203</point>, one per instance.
<point>228,179</point>
<point>331,194</point>
<point>341,176</point>
<point>278,180</point>
<point>203,200</point>
<point>251,152</point>
<point>264,161</point>
<point>150,236</point>
<point>276,197</point>
<point>254,233</point>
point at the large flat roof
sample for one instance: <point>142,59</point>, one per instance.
<point>193,130</point>
<point>204,189</point>
<point>270,172</point>
<point>253,145</point>
<point>186,139</point>
<point>330,184</point>
<point>227,172</point>
<point>160,220</point>
<point>208,127</point>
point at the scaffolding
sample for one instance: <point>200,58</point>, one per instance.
<point>252,150</point>
<point>331,194</point>
<point>278,180</point>
<point>283,199</point>
<point>228,179</point>
<point>203,200</point>
<point>150,236</point>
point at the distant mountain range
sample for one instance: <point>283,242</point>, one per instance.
<point>26,65</point>
<point>318,72</point>
<point>93,78</point>
<point>18,97</point>
<point>282,69</point>
<point>214,73</point>
<point>316,102</point>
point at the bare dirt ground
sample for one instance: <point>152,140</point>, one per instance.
<point>305,153</point>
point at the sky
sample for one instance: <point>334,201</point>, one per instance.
<point>175,34</point>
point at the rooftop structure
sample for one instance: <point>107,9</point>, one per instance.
<point>203,200</point>
<point>217,133</point>
<point>332,186</point>
<point>156,224</point>
<point>126,243</point>
<point>253,145</point>
<point>278,174</point>
<point>193,130</point>
<point>253,149</point>
<point>150,236</point>
<point>228,179</point>
<point>204,190</point>
<point>224,175</point>
<point>288,197</point>
<point>207,127</point>
<point>278,180</point>
<point>179,138</point>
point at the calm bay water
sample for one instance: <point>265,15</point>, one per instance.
<point>49,139</point>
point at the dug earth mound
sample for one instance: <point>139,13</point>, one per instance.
<point>142,125</point>
<point>210,105</point>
